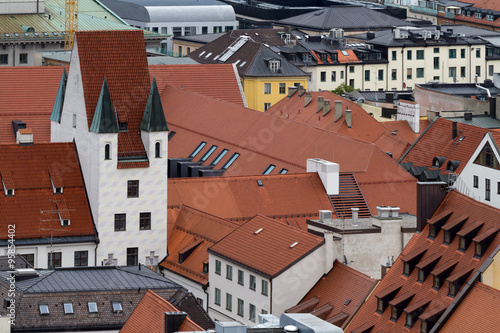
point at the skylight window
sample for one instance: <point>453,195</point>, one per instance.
<point>208,55</point>
<point>16,34</point>
<point>237,61</point>
<point>93,307</point>
<point>68,308</point>
<point>269,169</point>
<point>259,230</point>
<point>243,63</point>
<point>198,149</point>
<point>231,161</point>
<point>36,34</point>
<point>117,307</point>
<point>26,34</point>
<point>283,171</point>
<point>219,157</point>
<point>45,34</point>
<point>259,182</point>
<point>344,52</point>
<point>294,244</point>
<point>44,309</point>
<point>55,33</point>
<point>208,153</point>
<point>6,35</point>
<point>202,53</point>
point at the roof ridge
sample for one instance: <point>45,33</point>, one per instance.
<point>352,270</point>
<point>211,216</point>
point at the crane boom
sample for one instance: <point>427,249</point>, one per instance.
<point>71,23</point>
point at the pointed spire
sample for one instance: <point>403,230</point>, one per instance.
<point>104,120</point>
<point>58,104</point>
<point>154,117</point>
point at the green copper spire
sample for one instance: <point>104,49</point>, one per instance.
<point>154,117</point>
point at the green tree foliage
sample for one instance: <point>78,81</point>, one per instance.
<point>342,89</point>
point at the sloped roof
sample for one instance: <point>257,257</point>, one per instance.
<point>149,315</point>
<point>260,66</point>
<point>30,169</point>
<point>477,312</point>
<point>239,198</point>
<point>28,94</point>
<point>273,242</point>
<point>345,17</point>
<point>127,77</point>
<point>343,288</point>
<point>218,81</point>
<point>454,205</point>
<point>437,141</point>
<point>364,126</point>
<point>193,227</point>
<point>484,4</point>
<point>404,130</point>
<point>262,140</point>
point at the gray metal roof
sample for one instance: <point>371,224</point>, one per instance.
<point>202,39</point>
<point>92,279</point>
<point>166,60</point>
<point>459,89</point>
<point>260,67</point>
<point>479,121</point>
<point>345,17</point>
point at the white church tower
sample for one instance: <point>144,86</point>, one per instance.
<point>109,107</point>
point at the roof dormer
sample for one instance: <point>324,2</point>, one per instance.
<point>385,296</point>
<point>56,181</point>
<point>466,235</point>
<point>441,273</point>
<point>482,241</point>
<point>411,260</point>
<point>452,227</point>
<point>436,223</point>
<point>63,213</point>
<point>274,65</point>
<point>7,183</point>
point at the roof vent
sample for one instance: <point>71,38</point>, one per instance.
<point>438,161</point>
<point>294,244</point>
<point>325,215</point>
<point>259,182</point>
<point>259,230</point>
<point>290,329</point>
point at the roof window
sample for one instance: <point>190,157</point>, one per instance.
<point>414,311</point>
<point>171,135</point>
<point>457,280</point>
<point>117,307</point>
<point>411,259</point>
<point>441,273</point>
<point>68,308</point>
<point>438,161</point>
<point>426,266</point>
<point>430,317</point>
<point>283,171</point>
<point>482,241</point>
<point>198,149</point>
<point>208,153</point>
<point>8,183</point>
<point>436,223</point>
<point>44,309</point>
<point>219,157</point>
<point>385,296</point>
<point>398,304</point>
<point>230,161</point>
<point>451,228</point>
<point>92,307</point>
<point>269,169</point>
<point>466,235</point>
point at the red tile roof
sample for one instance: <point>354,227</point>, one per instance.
<point>438,141</point>
<point>197,229</point>
<point>455,204</point>
<point>274,243</point>
<point>28,95</point>
<point>343,288</point>
<point>122,61</point>
<point>292,198</point>
<point>219,81</point>
<point>403,129</point>
<point>149,316</point>
<point>478,312</point>
<point>262,139</point>
<point>350,58</point>
<point>28,167</point>
<point>364,126</point>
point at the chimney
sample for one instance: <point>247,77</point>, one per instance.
<point>468,115</point>
<point>384,212</point>
<point>325,216</point>
<point>173,320</point>
<point>453,130</point>
<point>328,173</point>
<point>429,197</point>
<point>24,136</point>
<point>395,211</point>
<point>319,104</point>
<point>329,250</point>
<point>301,90</point>
<point>338,110</point>
<point>326,107</point>
<point>307,98</point>
<point>354,216</point>
<point>292,90</point>
<point>348,118</point>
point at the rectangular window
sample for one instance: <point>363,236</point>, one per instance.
<point>229,302</point>
<point>145,221</point>
<point>229,272</point>
<point>251,311</point>
<point>408,54</point>
<point>420,54</point>
<point>462,71</point>
<point>341,75</point>
<point>74,120</point>
<point>462,53</point>
<point>155,29</point>
<point>367,75</point>
<point>132,256</point>
<point>68,308</point>
<point>267,88</point>
<point>241,277</point>
<point>420,72</point>
<point>217,267</point>
<point>351,82</point>
<point>253,282</point>
<point>498,187</point>
<point>241,307</point>
<point>478,52</point>
<point>117,307</point>
<point>394,74</point>
<point>4,59</point>
<point>164,30</point>
<point>23,58</point>
<point>409,73</point>
<point>228,28</point>
<point>44,309</point>
<point>351,69</point>
<point>478,70</point>
<point>436,62</point>
<point>204,30</point>
<point>487,189</point>
<point>267,106</point>
<point>120,222</point>
<point>490,70</point>
<point>436,50</point>
<point>92,307</point>
<point>30,258</point>
<point>188,31</point>
<point>217,296</point>
<point>217,29</point>
<point>265,287</point>
<point>475,181</point>
<point>394,55</point>
<point>334,76</point>
<point>453,71</point>
<point>380,74</point>
<point>54,260</point>
<point>132,188</point>
<point>177,31</point>
<point>282,88</point>
<point>452,53</point>
<point>323,76</point>
<point>81,258</point>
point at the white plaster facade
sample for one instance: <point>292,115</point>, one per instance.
<point>194,287</point>
<point>107,185</point>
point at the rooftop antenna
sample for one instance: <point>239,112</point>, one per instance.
<point>51,219</point>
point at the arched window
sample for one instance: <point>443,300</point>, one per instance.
<point>158,150</point>
<point>107,151</point>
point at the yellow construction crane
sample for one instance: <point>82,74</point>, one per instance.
<point>71,22</point>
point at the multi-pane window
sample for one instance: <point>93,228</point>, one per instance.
<point>323,76</point>
<point>120,222</point>
<point>132,256</point>
<point>54,260</point>
<point>241,307</point>
<point>367,75</point>
<point>452,53</point>
<point>267,88</point>
<point>274,66</point>
<point>251,310</point>
<point>408,54</point>
<point>229,302</point>
<point>145,221</point>
<point>267,106</point>
<point>229,272</point>
<point>265,288</point>
<point>453,71</point>
<point>394,74</point>
<point>282,88</point>
<point>351,69</point>
<point>81,258</point>
<point>475,181</point>
<point>409,73</point>
<point>177,31</point>
<point>436,50</point>
<point>253,282</point>
<point>420,54</point>
<point>420,72</point>
<point>487,189</point>
<point>4,59</point>
<point>217,296</point>
<point>30,258</point>
<point>132,188</point>
<point>394,55</point>
<point>380,74</point>
<point>241,277</point>
<point>217,267</point>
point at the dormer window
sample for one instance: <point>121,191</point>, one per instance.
<point>436,223</point>
<point>274,65</point>
<point>430,317</point>
<point>478,16</point>
<point>56,181</point>
<point>441,273</point>
<point>385,296</point>
<point>205,267</point>
<point>457,280</point>
<point>9,192</point>
<point>411,259</point>
<point>482,241</point>
<point>8,183</point>
<point>414,311</point>
<point>398,304</point>
<point>426,266</point>
<point>451,228</point>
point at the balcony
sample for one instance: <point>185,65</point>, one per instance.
<point>424,10</point>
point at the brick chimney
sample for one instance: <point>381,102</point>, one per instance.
<point>338,110</point>
<point>326,107</point>
<point>307,98</point>
<point>319,104</point>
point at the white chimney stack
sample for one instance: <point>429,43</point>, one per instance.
<point>328,173</point>
<point>354,215</point>
<point>24,136</point>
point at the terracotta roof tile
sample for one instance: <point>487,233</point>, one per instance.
<point>455,204</point>
<point>127,76</point>
<point>29,168</point>
<point>343,288</point>
<point>280,244</point>
<point>350,58</point>
<point>403,130</point>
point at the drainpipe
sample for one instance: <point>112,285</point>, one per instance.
<point>487,90</point>
<point>271,298</point>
